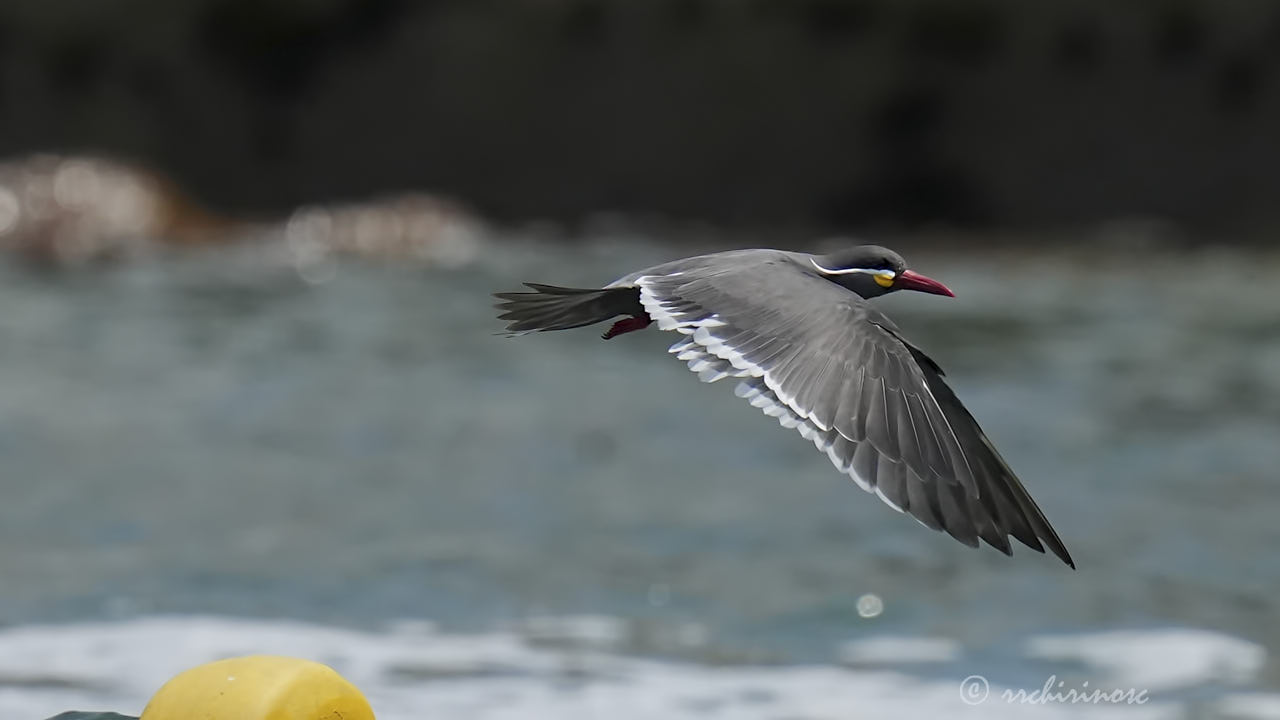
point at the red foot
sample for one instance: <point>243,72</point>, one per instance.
<point>627,325</point>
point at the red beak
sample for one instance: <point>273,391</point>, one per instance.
<point>912,280</point>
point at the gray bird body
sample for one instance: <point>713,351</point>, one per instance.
<point>809,349</point>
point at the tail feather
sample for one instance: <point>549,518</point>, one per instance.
<point>559,308</point>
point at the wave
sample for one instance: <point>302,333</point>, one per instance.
<point>571,668</point>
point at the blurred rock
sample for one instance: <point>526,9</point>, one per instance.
<point>840,113</point>
<point>77,209</point>
<point>404,227</point>
<point>73,210</point>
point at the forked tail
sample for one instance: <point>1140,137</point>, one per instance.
<point>557,308</point>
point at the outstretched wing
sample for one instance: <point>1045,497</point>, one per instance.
<point>822,360</point>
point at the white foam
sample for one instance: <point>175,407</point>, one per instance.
<point>562,668</point>
<point>599,631</point>
<point>1248,706</point>
<point>1158,659</point>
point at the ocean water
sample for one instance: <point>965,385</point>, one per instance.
<point>218,452</point>
<point>570,667</point>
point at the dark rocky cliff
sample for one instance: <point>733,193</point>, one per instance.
<point>827,112</point>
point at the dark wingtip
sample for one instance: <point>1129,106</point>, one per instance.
<point>1056,545</point>
<point>1062,555</point>
<point>1060,551</point>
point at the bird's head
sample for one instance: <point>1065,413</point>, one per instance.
<point>871,271</point>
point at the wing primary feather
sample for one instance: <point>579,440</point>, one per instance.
<point>821,360</point>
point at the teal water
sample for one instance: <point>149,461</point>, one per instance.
<point>211,433</point>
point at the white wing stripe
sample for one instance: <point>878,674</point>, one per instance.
<point>706,355</point>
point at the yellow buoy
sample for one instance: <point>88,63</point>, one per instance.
<point>259,687</point>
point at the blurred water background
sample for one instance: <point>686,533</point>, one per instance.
<point>253,397</point>
<point>272,445</point>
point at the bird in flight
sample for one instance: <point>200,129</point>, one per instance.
<point>807,347</point>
